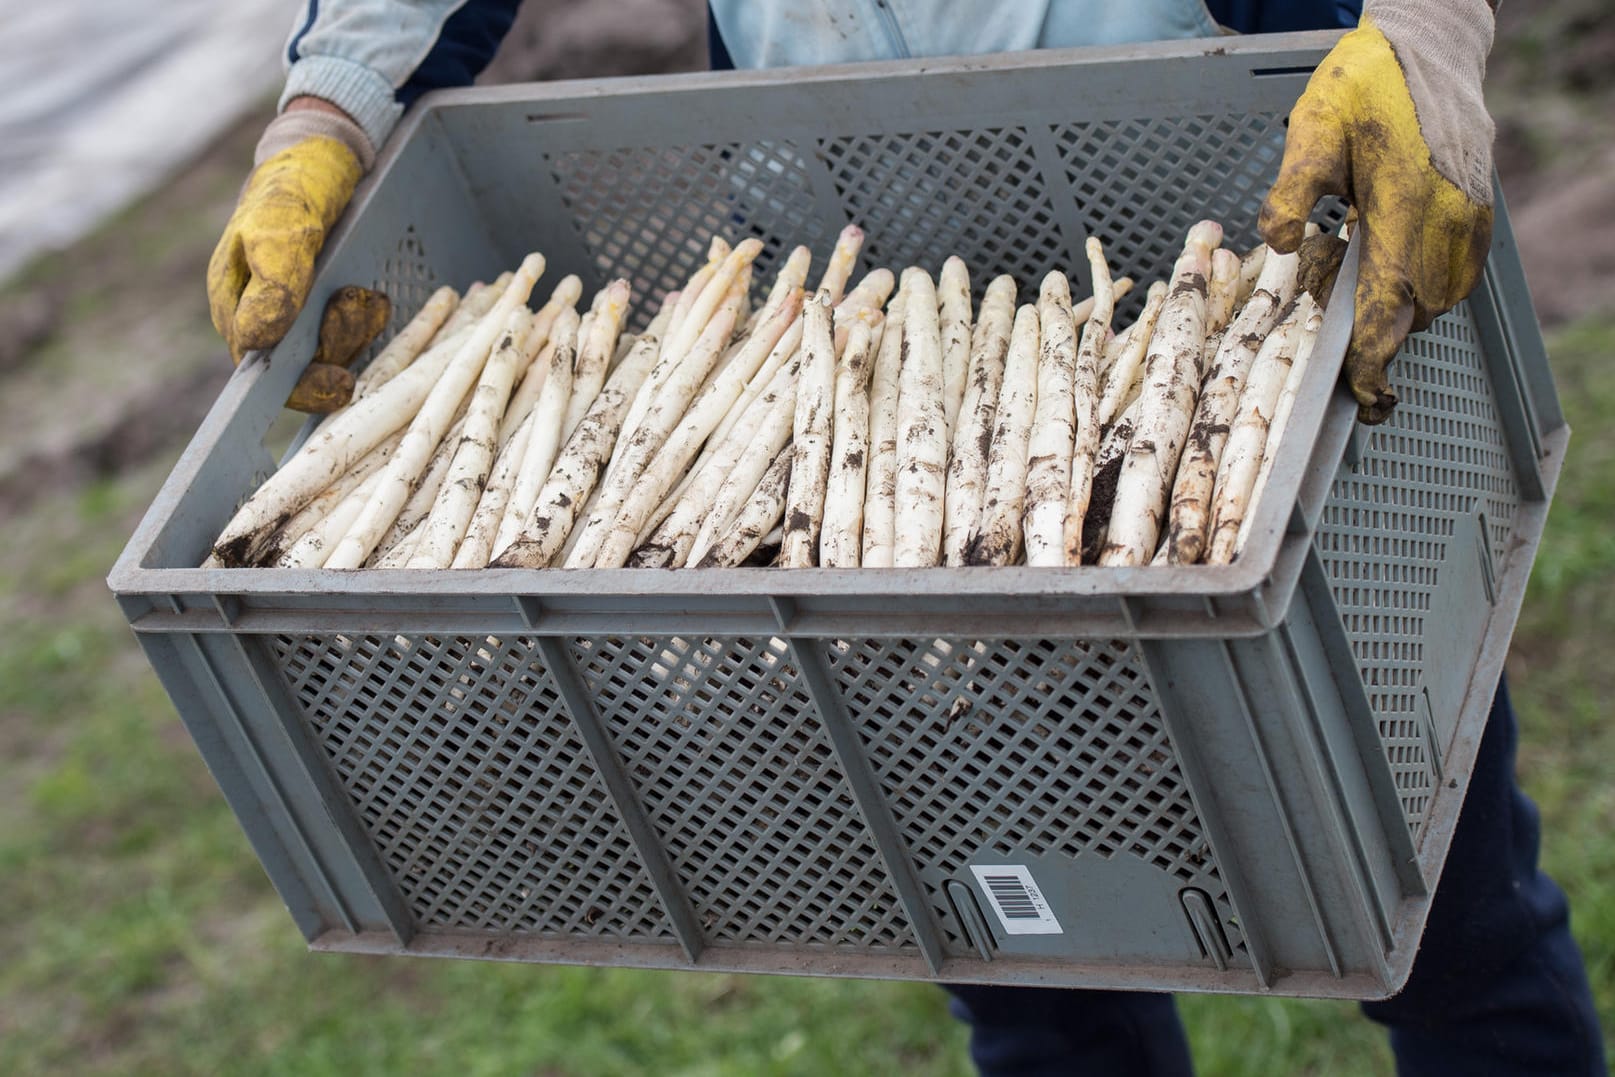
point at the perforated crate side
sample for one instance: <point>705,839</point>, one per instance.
<point>1003,748</point>
<point>1440,459</point>
<point>467,775</point>
<point>1040,190</point>
<point>727,753</point>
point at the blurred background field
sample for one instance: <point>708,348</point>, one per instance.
<point>139,934</point>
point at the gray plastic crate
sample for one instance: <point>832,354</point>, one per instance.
<point>1231,779</point>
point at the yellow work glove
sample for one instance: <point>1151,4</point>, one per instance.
<point>262,269</point>
<point>1393,122</point>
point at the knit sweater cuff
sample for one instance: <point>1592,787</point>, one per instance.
<point>1442,46</point>
<point>361,92</point>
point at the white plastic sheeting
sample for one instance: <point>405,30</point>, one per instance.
<point>102,99</point>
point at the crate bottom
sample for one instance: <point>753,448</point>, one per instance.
<point>667,956</point>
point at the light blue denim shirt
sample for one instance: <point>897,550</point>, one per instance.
<point>786,33</point>
<point>361,54</point>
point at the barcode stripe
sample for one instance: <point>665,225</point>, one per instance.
<point>1015,897</point>
<point>1012,897</point>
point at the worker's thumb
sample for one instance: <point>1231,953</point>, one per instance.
<point>1385,306</point>
<point>1314,166</point>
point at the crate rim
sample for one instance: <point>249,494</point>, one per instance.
<point>1244,598</point>
<point>1307,47</point>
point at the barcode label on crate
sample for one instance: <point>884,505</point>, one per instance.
<point>1016,899</point>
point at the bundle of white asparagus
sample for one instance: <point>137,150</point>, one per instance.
<point>890,424</point>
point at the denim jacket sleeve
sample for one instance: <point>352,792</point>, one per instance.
<point>372,58</point>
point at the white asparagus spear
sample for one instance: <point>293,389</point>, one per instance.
<point>790,277</point>
<point>953,318</point>
<point>743,283</point>
<point>869,296</point>
<point>679,301</point>
<point>841,537</point>
<point>478,300</point>
<point>1127,369</point>
<point>564,557</point>
<point>967,461</point>
<point>586,324</point>
<point>793,275</point>
<point>744,313</point>
<point>657,329</point>
<point>880,480</point>
<point>564,297</point>
<point>1048,460</point>
<point>328,499</point>
<point>747,452</point>
<point>1118,435</point>
<point>1085,394</point>
<point>783,352</point>
<point>284,536</point>
<point>682,444</point>
<point>1115,347</point>
<point>1082,311</point>
<point>1219,306</point>
<point>1219,400</point>
<point>477,547</point>
<point>473,453</point>
<point>810,460</point>
<point>675,350</point>
<point>577,469</point>
<point>1112,447</point>
<point>330,451</point>
<point>716,253</point>
<point>1221,289</point>
<point>1250,269</point>
<point>842,259</point>
<point>1242,459</point>
<point>716,293</point>
<point>761,512</point>
<point>870,293</point>
<point>922,446</point>
<point>398,556</point>
<point>1167,405</point>
<point>1281,416</point>
<point>1119,288</point>
<point>544,441</point>
<point>409,342</point>
<point>604,542</point>
<point>421,499</point>
<point>717,493</point>
<point>595,352</point>
<point>314,545</point>
<point>997,538</point>
<point>521,321</point>
<point>430,423</point>
<point>787,347</point>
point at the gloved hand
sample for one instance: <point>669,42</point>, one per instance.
<point>263,266</point>
<point>1393,121</point>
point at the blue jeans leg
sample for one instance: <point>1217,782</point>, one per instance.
<point>1498,987</point>
<point>1047,1031</point>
